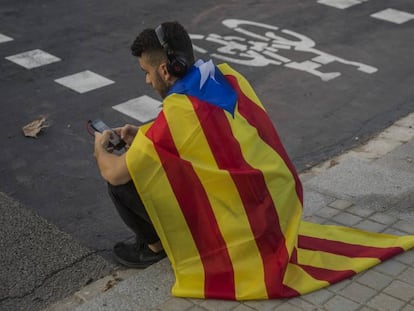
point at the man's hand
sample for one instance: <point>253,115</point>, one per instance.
<point>127,133</point>
<point>102,141</point>
<point>113,167</point>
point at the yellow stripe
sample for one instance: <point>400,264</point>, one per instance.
<point>243,83</point>
<point>170,224</point>
<point>223,196</point>
<point>261,156</point>
<point>298,279</point>
<point>406,242</point>
<point>355,236</point>
<point>334,262</point>
<point>277,175</point>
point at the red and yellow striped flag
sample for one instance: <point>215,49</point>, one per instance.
<point>227,203</point>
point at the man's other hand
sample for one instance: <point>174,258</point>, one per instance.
<point>127,133</point>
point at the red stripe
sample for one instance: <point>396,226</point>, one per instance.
<point>259,119</point>
<point>331,276</point>
<point>194,203</point>
<point>346,249</point>
<point>254,194</point>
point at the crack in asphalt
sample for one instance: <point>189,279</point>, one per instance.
<point>50,275</point>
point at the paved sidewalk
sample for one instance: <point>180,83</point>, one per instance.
<point>370,188</point>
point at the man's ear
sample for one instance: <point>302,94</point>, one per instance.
<point>163,71</point>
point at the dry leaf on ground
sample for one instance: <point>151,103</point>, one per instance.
<point>34,127</point>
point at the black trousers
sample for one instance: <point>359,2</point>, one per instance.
<point>132,211</point>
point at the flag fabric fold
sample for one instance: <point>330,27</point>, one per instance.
<point>226,200</point>
<point>208,84</point>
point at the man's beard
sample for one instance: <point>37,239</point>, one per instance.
<point>163,87</point>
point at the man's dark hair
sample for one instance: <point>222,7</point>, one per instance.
<point>178,40</point>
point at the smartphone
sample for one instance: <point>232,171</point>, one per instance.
<point>115,141</point>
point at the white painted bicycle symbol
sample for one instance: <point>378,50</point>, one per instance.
<point>266,46</point>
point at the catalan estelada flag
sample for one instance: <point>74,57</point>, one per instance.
<point>226,200</point>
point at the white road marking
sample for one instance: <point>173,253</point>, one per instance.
<point>393,16</point>
<point>259,44</point>
<point>341,4</point>
<point>32,59</point>
<point>4,38</point>
<point>143,108</point>
<point>84,81</point>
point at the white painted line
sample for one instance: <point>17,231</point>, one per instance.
<point>143,108</point>
<point>311,67</point>
<point>32,59</point>
<point>340,4</point>
<point>393,16</point>
<point>4,38</point>
<point>84,81</point>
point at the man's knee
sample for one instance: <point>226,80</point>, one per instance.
<point>119,189</point>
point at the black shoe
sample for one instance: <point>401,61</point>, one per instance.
<point>136,255</point>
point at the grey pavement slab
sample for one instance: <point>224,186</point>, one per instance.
<point>39,263</point>
<point>365,182</point>
<point>313,201</point>
<point>145,291</point>
<point>402,158</point>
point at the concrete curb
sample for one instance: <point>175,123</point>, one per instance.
<point>399,133</point>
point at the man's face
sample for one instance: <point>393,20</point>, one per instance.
<point>155,75</point>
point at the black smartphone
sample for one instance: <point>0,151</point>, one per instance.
<point>98,125</point>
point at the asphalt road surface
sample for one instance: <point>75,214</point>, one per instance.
<point>330,77</point>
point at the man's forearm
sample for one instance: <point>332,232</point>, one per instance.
<point>113,168</point>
